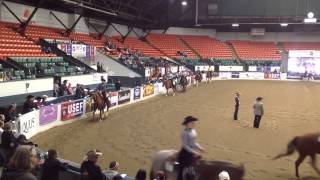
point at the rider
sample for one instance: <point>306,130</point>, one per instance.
<point>190,148</point>
<point>102,87</point>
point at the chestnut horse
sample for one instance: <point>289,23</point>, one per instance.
<point>209,76</point>
<point>100,103</point>
<point>198,78</point>
<point>306,145</point>
<point>164,161</point>
<point>168,84</point>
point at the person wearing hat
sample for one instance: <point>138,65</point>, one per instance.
<point>190,148</point>
<point>113,170</point>
<point>29,104</point>
<point>89,168</point>
<point>258,112</point>
<point>236,106</point>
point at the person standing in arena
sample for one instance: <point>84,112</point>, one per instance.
<point>236,106</point>
<point>258,112</point>
<point>190,148</point>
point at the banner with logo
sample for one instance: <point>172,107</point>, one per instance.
<point>136,93</point>
<point>29,124</point>
<point>251,75</point>
<point>71,110</point>
<point>225,75</point>
<point>148,90</point>
<point>124,96</point>
<point>230,68</point>
<point>272,75</point>
<point>48,114</point>
<point>113,97</point>
<point>235,75</point>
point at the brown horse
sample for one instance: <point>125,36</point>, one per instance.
<point>306,145</point>
<point>164,161</point>
<point>168,84</point>
<point>100,103</point>
<point>198,78</point>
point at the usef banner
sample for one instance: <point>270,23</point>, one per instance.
<point>136,93</point>
<point>70,110</point>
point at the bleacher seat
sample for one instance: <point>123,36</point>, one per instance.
<point>208,47</point>
<point>250,50</point>
<point>170,44</point>
<point>301,46</point>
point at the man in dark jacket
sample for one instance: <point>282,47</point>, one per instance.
<point>79,92</point>
<point>10,114</point>
<point>29,104</point>
<point>236,106</point>
<point>64,88</point>
<point>89,169</point>
<point>118,85</point>
<point>52,166</point>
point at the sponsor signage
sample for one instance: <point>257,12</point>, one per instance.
<point>136,93</point>
<point>230,68</point>
<point>124,96</point>
<point>113,97</point>
<point>148,90</point>
<point>48,114</point>
<point>251,75</point>
<point>235,75</point>
<point>29,124</point>
<point>71,110</point>
<point>272,75</point>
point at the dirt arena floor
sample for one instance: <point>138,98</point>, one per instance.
<point>133,133</point>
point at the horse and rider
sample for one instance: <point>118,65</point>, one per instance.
<point>198,77</point>
<point>171,83</point>
<point>101,100</point>
<point>190,165</point>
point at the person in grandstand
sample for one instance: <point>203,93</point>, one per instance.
<point>29,104</point>
<point>10,114</point>
<point>89,169</point>
<point>258,112</point>
<point>141,175</point>
<point>236,106</point>
<point>56,88</point>
<point>118,85</point>
<point>113,170</point>
<point>190,148</point>
<point>64,88</point>
<point>52,166</point>
<point>8,140</point>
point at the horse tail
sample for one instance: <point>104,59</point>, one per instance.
<point>291,147</point>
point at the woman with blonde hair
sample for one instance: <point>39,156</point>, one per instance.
<point>21,164</point>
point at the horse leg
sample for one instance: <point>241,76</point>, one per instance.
<point>313,163</point>
<point>94,111</point>
<point>174,91</point>
<point>298,162</point>
<point>101,111</point>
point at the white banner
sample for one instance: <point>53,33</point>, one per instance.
<point>252,68</point>
<point>225,75</point>
<point>79,50</point>
<point>304,53</point>
<point>201,68</point>
<point>147,72</point>
<point>230,68</point>
<point>174,69</point>
<point>251,75</point>
<point>29,124</point>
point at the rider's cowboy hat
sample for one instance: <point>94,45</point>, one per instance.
<point>93,154</point>
<point>189,119</point>
<point>259,98</point>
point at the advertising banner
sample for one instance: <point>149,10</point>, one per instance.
<point>225,75</point>
<point>174,69</point>
<point>71,110</point>
<point>251,75</point>
<point>124,96</point>
<point>230,68</point>
<point>29,124</point>
<point>113,97</point>
<point>148,90</point>
<point>235,75</point>
<point>272,75</point>
<point>136,93</point>
<point>48,114</point>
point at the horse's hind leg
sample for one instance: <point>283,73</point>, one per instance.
<point>313,163</point>
<point>298,162</point>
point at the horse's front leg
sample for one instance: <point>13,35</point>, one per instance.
<point>94,111</point>
<point>101,112</point>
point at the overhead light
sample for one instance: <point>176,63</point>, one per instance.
<point>235,25</point>
<point>184,3</point>
<point>284,24</point>
<point>310,15</point>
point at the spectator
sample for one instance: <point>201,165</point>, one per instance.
<point>29,104</point>
<point>89,169</point>
<point>224,175</point>
<point>44,100</point>
<point>69,89</point>
<point>113,170</point>
<point>56,88</point>
<point>39,102</point>
<point>98,67</point>
<point>141,175</point>
<point>20,165</point>
<point>1,129</point>
<point>8,141</point>
<point>52,166</point>
<point>10,114</point>
<point>2,117</point>
<point>117,177</point>
<point>63,88</point>
<point>79,92</point>
<point>118,85</point>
